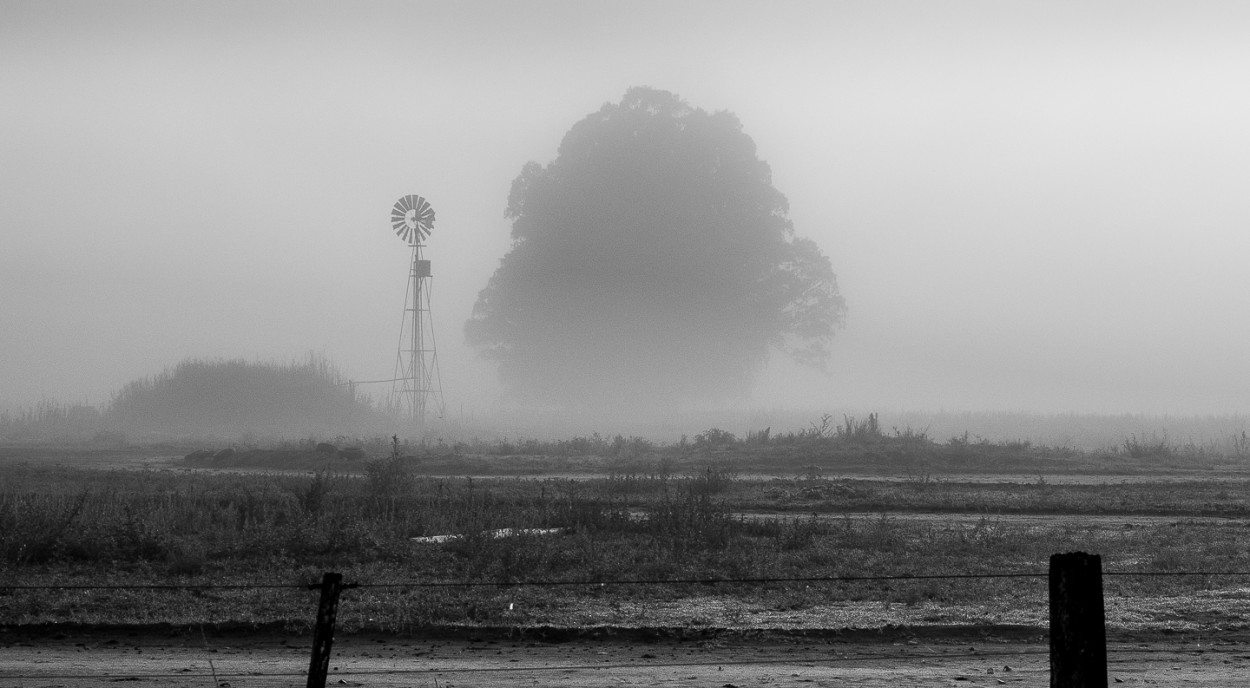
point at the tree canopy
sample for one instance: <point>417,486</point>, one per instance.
<point>653,261</point>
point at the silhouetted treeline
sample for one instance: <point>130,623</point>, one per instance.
<point>51,420</point>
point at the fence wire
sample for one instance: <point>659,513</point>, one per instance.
<point>1114,655</point>
<point>826,659</point>
<point>603,583</point>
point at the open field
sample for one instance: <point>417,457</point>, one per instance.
<point>894,537</point>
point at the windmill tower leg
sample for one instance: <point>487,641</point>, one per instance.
<point>403,388</point>
<point>431,380</point>
<point>417,352</point>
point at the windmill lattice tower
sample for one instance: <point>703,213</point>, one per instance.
<point>417,387</point>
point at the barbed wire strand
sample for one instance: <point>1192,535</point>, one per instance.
<point>158,586</point>
<point>592,583</point>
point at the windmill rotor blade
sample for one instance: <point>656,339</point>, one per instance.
<point>425,218</point>
<point>397,214</point>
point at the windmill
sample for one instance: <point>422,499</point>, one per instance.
<point>417,387</point>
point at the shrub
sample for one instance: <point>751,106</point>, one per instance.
<point>714,438</point>
<point>860,431</point>
<point>1155,447</point>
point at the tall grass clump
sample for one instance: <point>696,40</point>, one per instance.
<point>867,430</point>
<point>1239,446</point>
<point>1142,448</point>
<point>392,476</point>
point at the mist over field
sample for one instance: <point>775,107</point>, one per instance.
<point>1034,211</point>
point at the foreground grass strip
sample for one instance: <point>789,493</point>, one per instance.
<point>708,548</point>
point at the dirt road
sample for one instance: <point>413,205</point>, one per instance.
<point>77,661</point>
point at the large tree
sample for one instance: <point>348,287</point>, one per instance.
<point>652,260</point>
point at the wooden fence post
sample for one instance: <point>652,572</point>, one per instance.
<point>323,633</point>
<point>1078,629</point>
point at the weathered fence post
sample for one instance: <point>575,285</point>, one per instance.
<point>1078,630</point>
<point>323,633</point>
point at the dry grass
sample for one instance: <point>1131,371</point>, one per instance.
<point>77,526</point>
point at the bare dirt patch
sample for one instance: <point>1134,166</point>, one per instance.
<point>185,658</point>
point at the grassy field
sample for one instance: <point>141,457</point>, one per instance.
<point>713,531</point>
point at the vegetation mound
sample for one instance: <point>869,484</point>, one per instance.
<point>233,397</point>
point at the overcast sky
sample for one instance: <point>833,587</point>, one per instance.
<point>1031,206</point>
